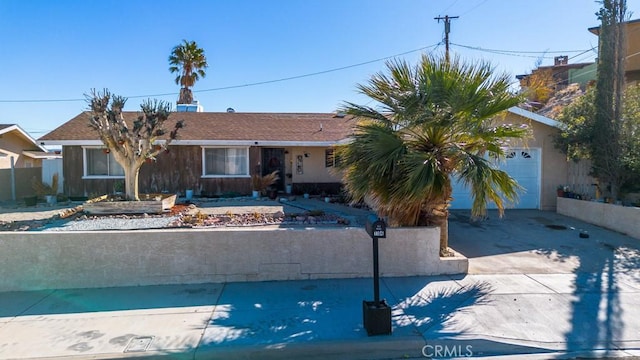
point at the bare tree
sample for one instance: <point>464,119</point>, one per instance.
<point>131,145</point>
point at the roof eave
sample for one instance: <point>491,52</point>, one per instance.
<point>24,134</point>
<point>535,117</point>
<point>41,155</point>
<point>212,143</point>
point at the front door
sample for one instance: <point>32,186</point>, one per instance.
<point>272,160</point>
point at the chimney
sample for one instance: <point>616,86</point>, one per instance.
<point>193,107</point>
<point>561,60</point>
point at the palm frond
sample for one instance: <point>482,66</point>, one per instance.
<point>430,122</point>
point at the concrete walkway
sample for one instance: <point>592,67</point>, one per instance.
<point>550,294</point>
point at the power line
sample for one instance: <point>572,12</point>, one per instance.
<point>449,7</point>
<point>523,51</point>
<point>516,52</point>
<point>473,8</point>
<point>237,86</point>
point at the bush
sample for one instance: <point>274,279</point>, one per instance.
<point>42,189</point>
<point>261,183</point>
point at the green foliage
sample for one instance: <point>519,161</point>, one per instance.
<point>577,138</point>
<point>118,186</point>
<point>576,134</point>
<point>189,62</point>
<point>606,135</point>
<point>630,156</point>
<point>435,120</point>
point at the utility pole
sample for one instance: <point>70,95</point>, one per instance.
<point>447,29</point>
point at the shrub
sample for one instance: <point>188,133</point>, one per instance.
<point>42,189</point>
<point>262,182</point>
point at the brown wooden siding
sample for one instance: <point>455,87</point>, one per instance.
<point>174,172</point>
<point>72,170</point>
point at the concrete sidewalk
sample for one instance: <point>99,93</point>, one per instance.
<point>536,316</point>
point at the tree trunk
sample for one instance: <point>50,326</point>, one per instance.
<point>614,191</point>
<point>438,215</point>
<point>186,96</point>
<point>443,223</point>
<point>131,181</point>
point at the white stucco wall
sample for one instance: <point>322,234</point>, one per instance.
<point>313,170</point>
<point>623,219</point>
<point>47,260</point>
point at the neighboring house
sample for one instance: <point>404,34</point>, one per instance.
<point>215,154</point>
<point>18,145</point>
<point>21,159</point>
<point>559,75</point>
<point>632,61</point>
<point>536,164</point>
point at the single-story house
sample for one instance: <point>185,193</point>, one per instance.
<point>17,146</point>
<point>21,160</point>
<point>217,152</point>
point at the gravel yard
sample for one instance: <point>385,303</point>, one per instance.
<point>210,213</point>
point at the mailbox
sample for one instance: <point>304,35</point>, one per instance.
<point>376,314</point>
<point>376,227</point>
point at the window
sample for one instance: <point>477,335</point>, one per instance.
<point>98,163</point>
<point>231,162</point>
<point>331,159</point>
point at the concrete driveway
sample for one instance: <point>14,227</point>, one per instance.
<point>540,242</point>
<point>533,293</point>
<point>550,288</point>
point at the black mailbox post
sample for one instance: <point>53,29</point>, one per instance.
<point>376,314</point>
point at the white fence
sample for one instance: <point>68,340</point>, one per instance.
<point>50,167</point>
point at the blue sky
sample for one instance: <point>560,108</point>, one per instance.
<point>59,50</point>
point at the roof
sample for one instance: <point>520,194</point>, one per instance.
<point>535,117</point>
<point>7,128</point>
<point>558,68</point>
<point>224,128</point>
<point>596,29</point>
<point>242,129</point>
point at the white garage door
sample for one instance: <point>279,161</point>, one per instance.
<point>522,165</point>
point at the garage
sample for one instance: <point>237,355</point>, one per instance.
<point>522,164</point>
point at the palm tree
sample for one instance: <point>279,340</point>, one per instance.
<point>189,61</point>
<point>434,122</point>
